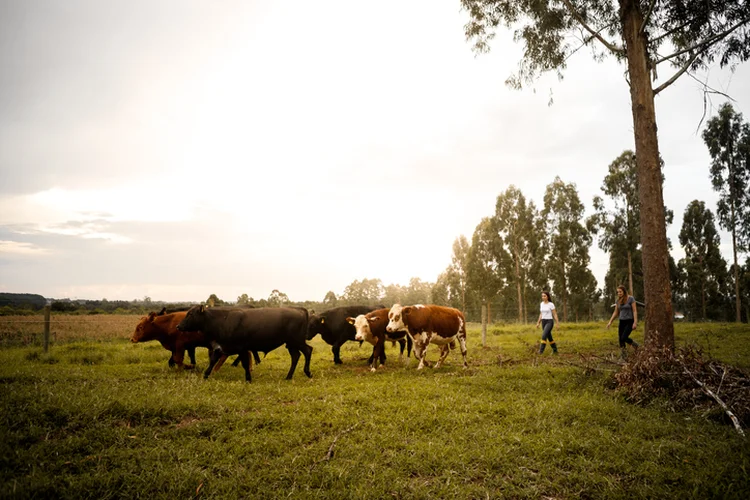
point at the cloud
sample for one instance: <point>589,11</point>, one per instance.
<point>21,248</point>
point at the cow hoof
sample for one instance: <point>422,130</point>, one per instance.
<point>309,375</point>
<point>189,367</point>
<point>373,370</point>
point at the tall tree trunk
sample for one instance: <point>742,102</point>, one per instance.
<point>737,301</point>
<point>703,299</point>
<point>565,296</point>
<point>518,286</point>
<point>658,296</point>
<point>630,274</point>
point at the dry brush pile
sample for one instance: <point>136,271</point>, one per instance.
<point>687,381</point>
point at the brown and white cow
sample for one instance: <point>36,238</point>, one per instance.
<point>430,324</point>
<point>370,327</point>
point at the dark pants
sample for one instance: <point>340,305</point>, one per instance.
<point>547,325</point>
<point>624,330</point>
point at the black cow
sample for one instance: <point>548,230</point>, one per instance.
<point>333,327</point>
<point>233,330</point>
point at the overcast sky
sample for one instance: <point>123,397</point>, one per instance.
<point>175,149</point>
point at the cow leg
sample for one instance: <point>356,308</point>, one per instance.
<point>222,357</point>
<point>444,350</point>
<point>381,354</point>
<point>294,353</point>
<point>402,346</point>
<point>337,353</point>
<point>215,356</point>
<point>256,357</point>
<point>191,354</point>
<point>409,344</point>
<point>307,351</point>
<point>247,364</point>
<point>178,355</point>
<point>171,360</point>
<point>462,343</point>
<point>237,360</point>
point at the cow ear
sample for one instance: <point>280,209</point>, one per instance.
<point>372,320</point>
<point>350,320</point>
<point>322,321</point>
<point>151,316</point>
<point>406,311</point>
<point>163,311</point>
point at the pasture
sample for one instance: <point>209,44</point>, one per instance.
<point>99,417</point>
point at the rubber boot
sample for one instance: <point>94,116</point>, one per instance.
<point>541,347</point>
<point>635,345</point>
<point>623,353</point>
<point>554,348</point>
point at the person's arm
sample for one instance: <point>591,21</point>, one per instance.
<point>635,315</point>
<point>614,314</point>
<point>554,313</point>
<point>539,320</point>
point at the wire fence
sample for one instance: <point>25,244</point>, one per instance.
<point>29,330</point>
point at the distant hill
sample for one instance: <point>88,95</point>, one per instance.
<point>22,299</point>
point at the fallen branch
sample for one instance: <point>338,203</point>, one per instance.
<point>329,453</point>
<point>716,398</point>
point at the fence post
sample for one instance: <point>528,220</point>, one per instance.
<point>46,328</point>
<point>484,325</point>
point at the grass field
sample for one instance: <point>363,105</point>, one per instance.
<point>98,417</point>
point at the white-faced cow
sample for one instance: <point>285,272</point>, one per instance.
<point>233,330</point>
<point>370,327</point>
<point>333,327</point>
<point>430,324</point>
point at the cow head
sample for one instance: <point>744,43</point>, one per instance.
<point>193,320</point>
<point>316,325</point>
<point>396,318</point>
<point>362,326</point>
<point>144,331</point>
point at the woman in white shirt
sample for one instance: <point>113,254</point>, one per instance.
<point>547,318</point>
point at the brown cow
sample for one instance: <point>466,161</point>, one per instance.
<point>430,324</point>
<point>163,328</point>
<point>370,327</point>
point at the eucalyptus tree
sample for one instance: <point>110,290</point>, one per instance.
<point>457,271</point>
<point>365,292</point>
<point>635,32</point>
<point>516,223</point>
<point>703,264</point>
<point>277,299</point>
<point>618,230</point>
<point>728,139</point>
<point>567,239</point>
<point>487,262</point>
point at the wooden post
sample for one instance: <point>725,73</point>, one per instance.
<point>46,328</point>
<point>484,325</point>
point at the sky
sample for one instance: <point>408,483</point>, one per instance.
<point>179,148</point>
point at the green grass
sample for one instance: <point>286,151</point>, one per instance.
<point>108,419</point>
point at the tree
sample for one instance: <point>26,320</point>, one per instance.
<point>634,31</point>
<point>515,222</point>
<point>330,300</point>
<point>618,229</point>
<point>728,141</point>
<point>457,272</point>
<point>568,240</point>
<point>365,292</point>
<point>486,264</point>
<point>244,300</point>
<point>703,264</point>
<point>277,299</point>
<point>213,301</point>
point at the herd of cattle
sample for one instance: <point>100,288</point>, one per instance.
<point>226,331</point>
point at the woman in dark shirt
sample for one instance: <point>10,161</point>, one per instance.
<point>628,311</point>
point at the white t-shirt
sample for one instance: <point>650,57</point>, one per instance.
<point>546,310</point>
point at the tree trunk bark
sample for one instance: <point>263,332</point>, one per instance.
<point>737,301</point>
<point>703,299</point>
<point>659,329</point>
<point>630,274</point>
<point>518,287</point>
